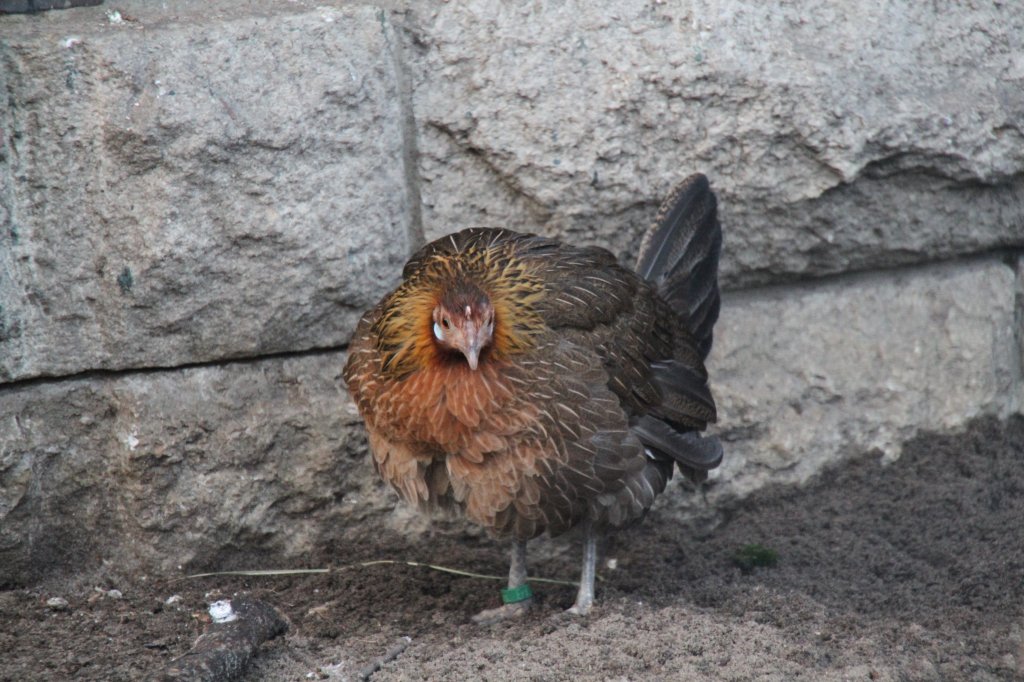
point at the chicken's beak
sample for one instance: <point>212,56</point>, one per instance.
<point>473,341</point>
<point>473,356</point>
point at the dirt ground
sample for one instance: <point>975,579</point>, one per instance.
<point>908,571</point>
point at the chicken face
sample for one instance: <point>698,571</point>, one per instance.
<point>465,326</point>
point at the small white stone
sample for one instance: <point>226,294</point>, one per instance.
<point>173,599</point>
<point>57,603</point>
<point>114,594</point>
<point>221,612</point>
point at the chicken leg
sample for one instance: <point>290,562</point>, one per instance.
<point>516,579</point>
<point>585,595</point>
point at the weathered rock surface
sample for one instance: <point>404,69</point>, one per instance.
<point>1018,331</point>
<point>192,183</point>
<point>186,184</point>
<point>210,466</point>
<point>837,137</point>
<point>184,469</point>
<point>806,375</point>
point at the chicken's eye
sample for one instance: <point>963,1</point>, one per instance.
<point>445,323</point>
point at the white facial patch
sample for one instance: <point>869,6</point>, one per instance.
<point>438,334</point>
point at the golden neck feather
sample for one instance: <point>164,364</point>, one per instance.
<point>404,333</point>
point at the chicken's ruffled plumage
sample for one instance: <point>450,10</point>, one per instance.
<point>590,388</point>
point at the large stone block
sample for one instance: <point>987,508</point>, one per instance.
<point>193,468</point>
<point>837,137</point>
<point>807,375</point>
<point>186,183</point>
<point>1018,327</point>
<point>211,466</point>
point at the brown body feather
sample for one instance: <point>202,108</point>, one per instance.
<point>579,408</point>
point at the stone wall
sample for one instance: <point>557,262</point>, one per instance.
<point>197,202</point>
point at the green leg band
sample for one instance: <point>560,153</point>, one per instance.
<point>514,595</point>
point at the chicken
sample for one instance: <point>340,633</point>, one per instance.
<point>535,386</point>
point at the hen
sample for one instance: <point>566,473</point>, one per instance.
<point>537,386</point>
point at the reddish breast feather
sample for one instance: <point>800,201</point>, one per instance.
<point>462,412</point>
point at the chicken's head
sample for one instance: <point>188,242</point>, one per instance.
<point>464,322</point>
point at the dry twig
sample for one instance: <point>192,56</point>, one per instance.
<point>391,654</point>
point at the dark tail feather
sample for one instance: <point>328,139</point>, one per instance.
<point>685,392</point>
<point>679,255</point>
<point>689,450</point>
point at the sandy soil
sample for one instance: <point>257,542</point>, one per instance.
<point>911,571</point>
